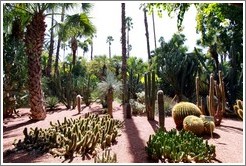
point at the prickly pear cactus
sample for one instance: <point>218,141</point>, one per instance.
<point>194,124</point>
<point>183,109</point>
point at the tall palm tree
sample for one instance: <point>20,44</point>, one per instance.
<point>123,42</point>
<point>129,26</point>
<point>34,38</point>
<point>153,19</point>
<point>146,31</point>
<point>109,41</point>
<point>77,26</point>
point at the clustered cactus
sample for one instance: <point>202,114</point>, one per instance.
<point>106,157</point>
<point>72,136</point>
<point>183,109</point>
<point>238,108</point>
<point>194,124</point>
<point>177,147</point>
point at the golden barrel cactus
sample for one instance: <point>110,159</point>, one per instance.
<point>194,124</point>
<point>183,109</point>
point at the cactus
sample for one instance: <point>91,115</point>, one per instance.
<point>238,108</point>
<point>160,98</point>
<point>150,94</point>
<point>78,99</point>
<point>194,124</point>
<point>209,125</point>
<point>183,109</point>
<point>215,100</point>
<point>106,157</point>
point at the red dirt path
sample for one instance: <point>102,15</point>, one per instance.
<point>228,138</point>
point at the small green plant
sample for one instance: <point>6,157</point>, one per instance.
<point>51,102</point>
<point>106,157</point>
<point>179,146</point>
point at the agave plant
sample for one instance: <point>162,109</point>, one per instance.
<point>107,88</point>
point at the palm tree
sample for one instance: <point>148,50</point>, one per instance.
<point>109,40</point>
<point>77,26</point>
<point>129,26</point>
<point>34,38</point>
<point>123,42</point>
<point>64,7</point>
<point>146,29</point>
<point>153,19</point>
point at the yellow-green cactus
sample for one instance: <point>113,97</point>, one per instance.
<point>183,109</point>
<point>238,108</point>
<point>209,124</point>
<point>194,124</point>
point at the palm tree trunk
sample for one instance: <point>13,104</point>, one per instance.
<point>128,43</point>
<point>34,39</point>
<point>51,49</point>
<point>147,32</point>
<point>59,42</point>
<point>92,50</point>
<point>109,50</point>
<point>110,102</point>
<point>153,19</point>
<point>123,33</point>
<point>74,46</point>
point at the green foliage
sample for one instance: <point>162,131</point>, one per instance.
<point>175,68</point>
<point>179,147</point>
<point>72,136</point>
<point>14,74</point>
<point>183,109</point>
<point>106,157</point>
<point>51,102</point>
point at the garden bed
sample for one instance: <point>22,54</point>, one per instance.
<point>130,146</point>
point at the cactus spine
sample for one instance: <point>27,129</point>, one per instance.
<point>160,98</point>
<point>150,94</point>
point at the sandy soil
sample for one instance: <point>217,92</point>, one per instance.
<point>228,137</point>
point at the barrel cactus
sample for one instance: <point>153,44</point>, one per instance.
<point>183,109</point>
<point>194,124</point>
<point>209,124</point>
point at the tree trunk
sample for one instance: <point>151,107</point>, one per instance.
<point>51,49</point>
<point>74,46</point>
<point>59,42</point>
<point>109,50</point>
<point>123,38</point>
<point>110,102</point>
<point>147,33</point>
<point>153,19</point>
<point>92,50</point>
<point>34,39</point>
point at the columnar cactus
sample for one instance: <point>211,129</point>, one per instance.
<point>160,98</point>
<point>150,94</point>
<point>78,98</point>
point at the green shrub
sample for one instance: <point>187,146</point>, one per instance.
<point>177,147</point>
<point>51,102</point>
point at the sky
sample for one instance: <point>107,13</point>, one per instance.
<point>106,16</point>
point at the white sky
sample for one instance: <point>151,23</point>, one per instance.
<point>106,16</point>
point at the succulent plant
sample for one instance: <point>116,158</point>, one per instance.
<point>209,124</point>
<point>179,147</point>
<point>238,108</point>
<point>106,157</point>
<point>183,109</point>
<point>194,124</point>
